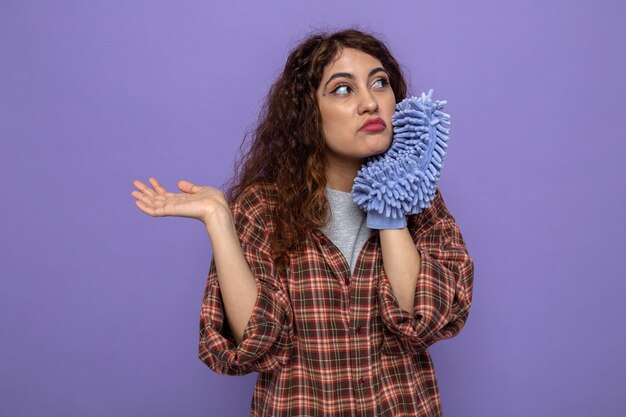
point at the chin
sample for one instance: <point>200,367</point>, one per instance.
<point>382,149</point>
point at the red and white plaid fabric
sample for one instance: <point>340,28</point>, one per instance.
<point>327,342</point>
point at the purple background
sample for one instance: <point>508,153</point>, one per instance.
<point>99,302</point>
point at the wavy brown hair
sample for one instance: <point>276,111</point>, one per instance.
<point>288,148</point>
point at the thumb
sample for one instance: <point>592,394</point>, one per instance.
<point>188,187</point>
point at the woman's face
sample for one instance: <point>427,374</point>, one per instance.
<point>354,89</point>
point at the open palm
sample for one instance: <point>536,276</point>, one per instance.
<point>196,202</point>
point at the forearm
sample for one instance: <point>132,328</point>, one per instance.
<point>237,285</point>
<point>401,262</point>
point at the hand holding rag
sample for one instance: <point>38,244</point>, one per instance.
<point>403,179</point>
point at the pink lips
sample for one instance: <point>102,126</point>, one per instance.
<point>373,125</point>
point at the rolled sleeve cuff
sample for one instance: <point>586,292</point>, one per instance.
<point>266,338</point>
<point>432,305</point>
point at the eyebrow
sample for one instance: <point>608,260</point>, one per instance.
<point>348,75</point>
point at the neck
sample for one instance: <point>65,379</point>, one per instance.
<point>340,175</point>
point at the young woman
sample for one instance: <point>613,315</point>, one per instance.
<point>335,317</point>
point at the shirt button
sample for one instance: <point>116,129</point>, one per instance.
<point>362,382</point>
<point>358,330</point>
<point>347,281</point>
<point>322,241</point>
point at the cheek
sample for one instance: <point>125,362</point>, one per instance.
<point>326,116</point>
<point>391,105</point>
<point>331,133</point>
<point>334,124</point>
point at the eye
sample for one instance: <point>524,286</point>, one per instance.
<point>384,82</point>
<point>341,86</point>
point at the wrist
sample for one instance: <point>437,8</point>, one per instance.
<point>219,219</point>
<point>376,220</point>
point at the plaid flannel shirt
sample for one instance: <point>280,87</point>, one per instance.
<point>329,342</point>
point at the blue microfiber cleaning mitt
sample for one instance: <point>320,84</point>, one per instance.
<point>403,179</point>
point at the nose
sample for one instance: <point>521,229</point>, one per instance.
<point>367,102</point>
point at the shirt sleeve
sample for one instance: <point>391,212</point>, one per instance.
<point>267,338</point>
<point>443,293</point>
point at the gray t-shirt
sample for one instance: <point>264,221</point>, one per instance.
<point>346,227</point>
